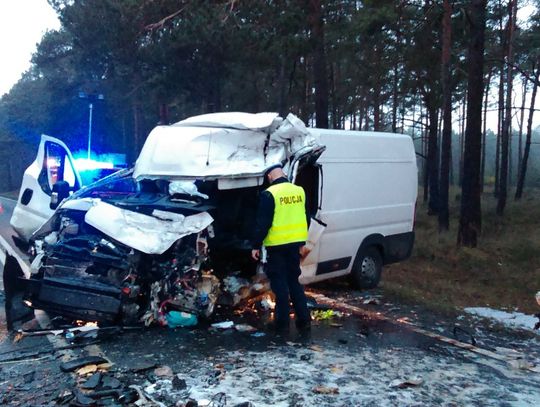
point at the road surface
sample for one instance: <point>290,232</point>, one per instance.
<point>347,361</point>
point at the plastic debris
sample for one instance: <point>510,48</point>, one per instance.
<point>403,384</point>
<point>164,371</point>
<point>92,382</point>
<point>371,301</point>
<point>75,364</point>
<point>323,315</point>
<point>223,325</point>
<point>258,334</point>
<point>267,304</point>
<point>64,397</point>
<point>87,370</point>
<point>244,328</point>
<point>104,366</point>
<point>177,319</point>
<point>325,390</point>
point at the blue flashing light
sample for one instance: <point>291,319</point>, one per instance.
<point>85,164</point>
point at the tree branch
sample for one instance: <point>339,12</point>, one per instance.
<point>162,22</point>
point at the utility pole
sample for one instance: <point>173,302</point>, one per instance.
<point>91,99</point>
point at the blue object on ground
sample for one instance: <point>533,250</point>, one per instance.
<point>180,319</point>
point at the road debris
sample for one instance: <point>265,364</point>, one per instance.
<point>223,325</point>
<point>343,306</point>
<point>75,364</point>
<point>164,371</point>
<point>324,315</point>
<point>177,319</point>
<point>403,384</point>
<point>244,328</point>
<point>83,371</point>
<point>64,397</point>
<point>144,399</point>
<point>92,382</point>
<point>179,383</point>
<point>325,390</point>
<point>371,301</point>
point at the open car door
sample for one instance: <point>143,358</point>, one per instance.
<point>51,175</point>
<point>306,172</point>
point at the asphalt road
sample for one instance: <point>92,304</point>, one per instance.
<point>346,361</point>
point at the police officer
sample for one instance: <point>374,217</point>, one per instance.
<point>282,227</point>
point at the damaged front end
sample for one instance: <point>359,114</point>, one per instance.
<point>81,273</point>
<point>171,235</point>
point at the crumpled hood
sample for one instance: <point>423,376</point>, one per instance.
<point>221,145</point>
<point>148,234</point>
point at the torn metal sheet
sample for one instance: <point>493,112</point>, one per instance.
<point>185,187</point>
<point>147,234</point>
<point>222,145</point>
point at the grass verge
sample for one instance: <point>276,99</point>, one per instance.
<point>503,272</point>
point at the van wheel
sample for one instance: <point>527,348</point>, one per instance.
<point>16,310</point>
<point>367,267</point>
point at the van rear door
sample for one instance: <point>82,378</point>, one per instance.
<point>306,172</point>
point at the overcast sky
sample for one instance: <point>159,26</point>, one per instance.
<point>22,24</point>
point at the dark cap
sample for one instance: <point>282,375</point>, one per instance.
<point>271,168</point>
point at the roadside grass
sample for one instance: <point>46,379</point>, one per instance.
<point>503,272</point>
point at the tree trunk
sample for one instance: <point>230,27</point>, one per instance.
<point>320,75</point>
<point>304,111</point>
<point>282,84</point>
<point>505,139</point>
<point>500,120</point>
<point>523,169</point>
<point>137,139</point>
<point>470,222</point>
<point>462,140</point>
<point>433,161</point>
<point>500,111</point>
<point>521,119</point>
<point>446,143</point>
<point>395,98</point>
<point>163,114</point>
<point>484,131</point>
<point>425,132</point>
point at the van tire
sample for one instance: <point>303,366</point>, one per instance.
<point>367,267</point>
<point>16,311</point>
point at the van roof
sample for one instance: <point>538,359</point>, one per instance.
<point>234,145</point>
<point>366,146</point>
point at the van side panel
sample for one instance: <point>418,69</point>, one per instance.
<point>369,188</point>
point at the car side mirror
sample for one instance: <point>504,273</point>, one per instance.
<point>60,191</point>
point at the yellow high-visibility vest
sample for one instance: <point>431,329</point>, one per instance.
<point>289,224</point>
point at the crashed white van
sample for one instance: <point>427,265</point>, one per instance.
<point>173,232</point>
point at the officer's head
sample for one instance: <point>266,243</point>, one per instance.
<point>274,172</point>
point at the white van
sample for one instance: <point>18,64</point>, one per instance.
<point>185,212</point>
<point>363,188</point>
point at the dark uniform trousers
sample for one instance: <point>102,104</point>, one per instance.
<point>283,270</point>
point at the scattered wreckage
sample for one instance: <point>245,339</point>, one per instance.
<point>170,234</point>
